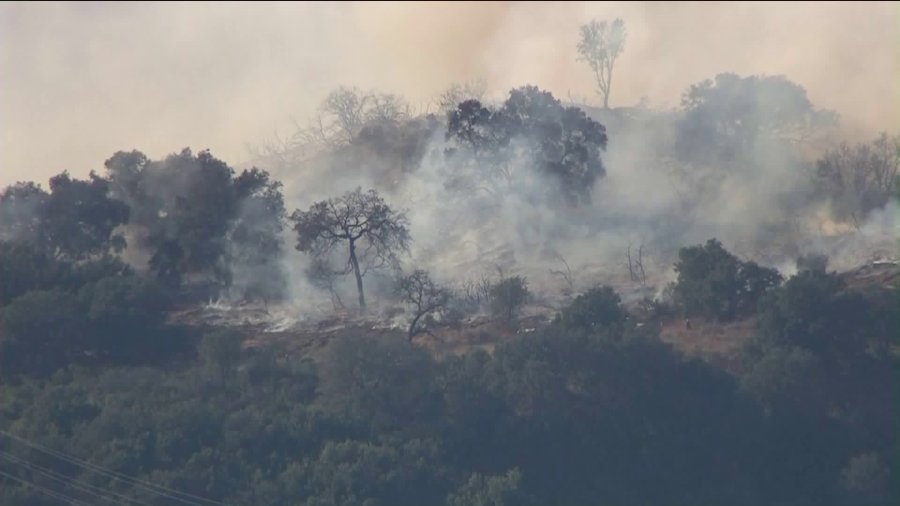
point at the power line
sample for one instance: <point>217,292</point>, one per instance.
<point>55,495</point>
<point>70,481</point>
<point>182,497</point>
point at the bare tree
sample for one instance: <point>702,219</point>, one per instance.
<point>346,111</point>
<point>600,45</point>
<point>375,233</point>
<point>565,275</point>
<point>458,93</point>
<point>323,277</point>
<point>424,296</point>
<point>636,265</point>
<point>860,179</point>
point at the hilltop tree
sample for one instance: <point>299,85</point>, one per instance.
<point>600,45</point>
<point>530,129</point>
<point>729,116</point>
<point>375,234</point>
<point>346,111</point>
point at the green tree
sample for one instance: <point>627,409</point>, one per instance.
<point>480,490</point>
<point>595,309</point>
<point>508,296</point>
<point>530,129</point>
<point>21,210</point>
<point>40,332</point>
<point>714,283</point>
<point>79,218</point>
<point>388,382</point>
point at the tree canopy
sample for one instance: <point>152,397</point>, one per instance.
<point>375,234</point>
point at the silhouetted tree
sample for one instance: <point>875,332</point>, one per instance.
<point>531,129</point>
<point>79,217</point>
<point>423,296</point>
<point>375,234</point>
<point>714,283</point>
<point>508,296</point>
<point>600,45</point>
<point>21,211</point>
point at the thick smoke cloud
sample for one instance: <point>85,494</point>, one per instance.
<point>83,80</point>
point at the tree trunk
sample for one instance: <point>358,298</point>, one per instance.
<point>359,284</point>
<point>608,86</point>
<point>412,326</point>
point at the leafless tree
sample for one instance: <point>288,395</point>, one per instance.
<point>860,179</point>
<point>600,45</point>
<point>636,265</point>
<point>346,111</point>
<point>324,277</point>
<point>566,275</point>
<point>458,93</point>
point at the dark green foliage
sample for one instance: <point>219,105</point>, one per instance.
<point>79,217</point>
<point>41,331</point>
<point>508,296</point>
<point>221,352</point>
<point>118,319</point>
<point>501,490</point>
<point>714,283</point>
<point>598,308</point>
<point>562,143</point>
<point>76,220</point>
<point>21,209</point>
<point>24,267</point>
<point>583,413</point>
<point>199,221</point>
<point>389,383</point>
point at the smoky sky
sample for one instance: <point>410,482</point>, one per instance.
<point>79,81</point>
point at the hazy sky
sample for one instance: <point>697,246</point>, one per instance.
<point>79,81</point>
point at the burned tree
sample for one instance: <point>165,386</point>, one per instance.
<point>423,296</point>
<point>636,265</point>
<point>375,234</point>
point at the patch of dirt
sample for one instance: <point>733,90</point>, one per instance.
<point>716,342</point>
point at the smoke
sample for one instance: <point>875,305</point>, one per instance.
<point>83,80</point>
<point>91,79</point>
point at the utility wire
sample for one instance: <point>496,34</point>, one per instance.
<point>55,495</point>
<point>70,481</point>
<point>182,497</point>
